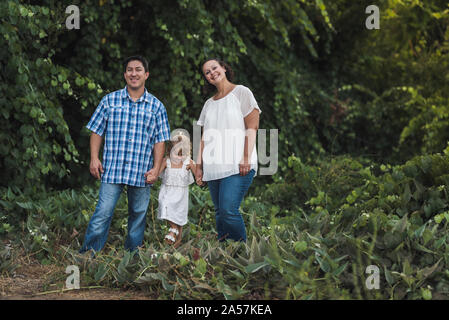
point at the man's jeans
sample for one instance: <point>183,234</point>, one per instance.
<point>227,195</point>
<point>98,229</point>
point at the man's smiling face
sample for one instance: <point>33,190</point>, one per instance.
<point>135,75</point>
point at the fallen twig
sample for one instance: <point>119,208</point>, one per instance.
<point>67,289</point>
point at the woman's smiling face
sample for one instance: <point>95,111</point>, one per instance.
<point>214,72</point>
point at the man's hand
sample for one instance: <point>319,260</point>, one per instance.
<point>151,176</point>
<point>96,168</point>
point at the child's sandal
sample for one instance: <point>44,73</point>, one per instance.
<point>170,237</point>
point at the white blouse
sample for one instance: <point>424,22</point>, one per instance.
<point>224,133</point>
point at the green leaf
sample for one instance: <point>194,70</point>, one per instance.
<point>419,232</point>
<point>255,267</point>
<point>300,246</point>
<point>25,205</point>
<point>424,249</point>
<point>426,294</point>
<point>201,267</point>
<point>438,218</point>
<point>388,277</point>
<point>23,11</point>
<point>340,269</point>
<point>237,274</point>
<point>439,242</point>
<point>79,81</point>
<point>401,224</point>
<point>292,262</point>
<point>407,194</point>
<point>101,272</point>
<point>324,265</point>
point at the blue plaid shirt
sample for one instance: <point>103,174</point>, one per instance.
<point>131,129</point>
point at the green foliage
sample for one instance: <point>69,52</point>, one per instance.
<point>7,260</point>
<point>392,93</point>
<point>53,78</point>
<point>394,217</point>
<point>312,240</point>
<point>327,83</point>
<point>35,142</point>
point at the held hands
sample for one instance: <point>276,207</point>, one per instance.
<point>244,166</point>
<point>199,177</point>
<point>151,176</point>
<point>96,168</point>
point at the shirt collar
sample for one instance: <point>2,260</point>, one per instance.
<point>145,97</point>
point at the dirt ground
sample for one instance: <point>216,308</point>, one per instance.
<point>33,281</point>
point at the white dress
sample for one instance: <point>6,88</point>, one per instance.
<point>224,133</point>
<point>174,193</point>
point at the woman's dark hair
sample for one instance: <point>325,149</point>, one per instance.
<point>209,88</point>
<point>133,58</point>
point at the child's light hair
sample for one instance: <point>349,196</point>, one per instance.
<point>180,142</point>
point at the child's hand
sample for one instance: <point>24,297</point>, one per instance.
<point>191,166</point>
<point>151,176</point>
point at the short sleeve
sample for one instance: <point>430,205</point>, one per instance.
<point>98,121</point>
<point>200,121</point>
<point>247,101</point>
<point>162,131</point>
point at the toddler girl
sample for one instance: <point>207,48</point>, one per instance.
<point>176,174</point>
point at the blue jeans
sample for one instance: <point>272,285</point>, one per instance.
<point>100,222</point>
<point>227,195</point>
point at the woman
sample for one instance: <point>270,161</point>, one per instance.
<point>227,158</point>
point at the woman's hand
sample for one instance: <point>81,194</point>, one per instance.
<point>199,176</point>
<point>244,166</point>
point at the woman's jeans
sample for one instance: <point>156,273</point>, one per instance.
<point>98,229</point>
<point>227,195</point>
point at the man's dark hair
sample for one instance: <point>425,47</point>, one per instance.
<point>138,58</point>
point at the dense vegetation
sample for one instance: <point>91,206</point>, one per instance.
<point>363,119</point>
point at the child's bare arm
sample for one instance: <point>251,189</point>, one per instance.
<point>163,165</point>
<point>192,166</point>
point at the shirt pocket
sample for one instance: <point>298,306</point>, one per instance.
<point>146,121</point>
<point>117,118</point>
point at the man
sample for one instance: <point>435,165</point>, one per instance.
<point>134,126</point>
